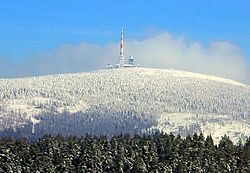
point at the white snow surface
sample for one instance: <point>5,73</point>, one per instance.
<point>125,100</point>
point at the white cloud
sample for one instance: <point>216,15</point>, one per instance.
<point>165,51</point>
<point>161,51</point>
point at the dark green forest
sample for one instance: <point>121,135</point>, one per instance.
<point>124,153</point>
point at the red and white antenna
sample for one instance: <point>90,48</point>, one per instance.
<point>122,59</point>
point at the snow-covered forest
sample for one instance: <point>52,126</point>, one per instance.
<point>124,100</point>
<point>124,153</point>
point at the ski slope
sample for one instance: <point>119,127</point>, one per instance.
<point>129,100</point>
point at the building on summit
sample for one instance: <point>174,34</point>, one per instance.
<point>122,61</point>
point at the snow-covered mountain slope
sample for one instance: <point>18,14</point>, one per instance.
<point>125,100</point>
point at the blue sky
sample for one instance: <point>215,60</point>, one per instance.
<point>31,27</point>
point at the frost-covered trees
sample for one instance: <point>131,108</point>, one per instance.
<point>120,100</point>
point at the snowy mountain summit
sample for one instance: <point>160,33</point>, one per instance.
<point>125,100</point>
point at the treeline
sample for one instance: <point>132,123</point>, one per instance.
<point>124,153</point>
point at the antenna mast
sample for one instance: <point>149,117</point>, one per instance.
<point>122,59</point>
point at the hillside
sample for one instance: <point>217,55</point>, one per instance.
<point>124,100</point>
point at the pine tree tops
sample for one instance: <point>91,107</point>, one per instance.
<point>124,153</point>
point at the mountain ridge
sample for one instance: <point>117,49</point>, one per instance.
<point>125,100</point>
<point>180,72</point>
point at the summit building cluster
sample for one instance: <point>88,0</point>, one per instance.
<point>122,61</point>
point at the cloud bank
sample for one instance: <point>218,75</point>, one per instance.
<point>159,51</point>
